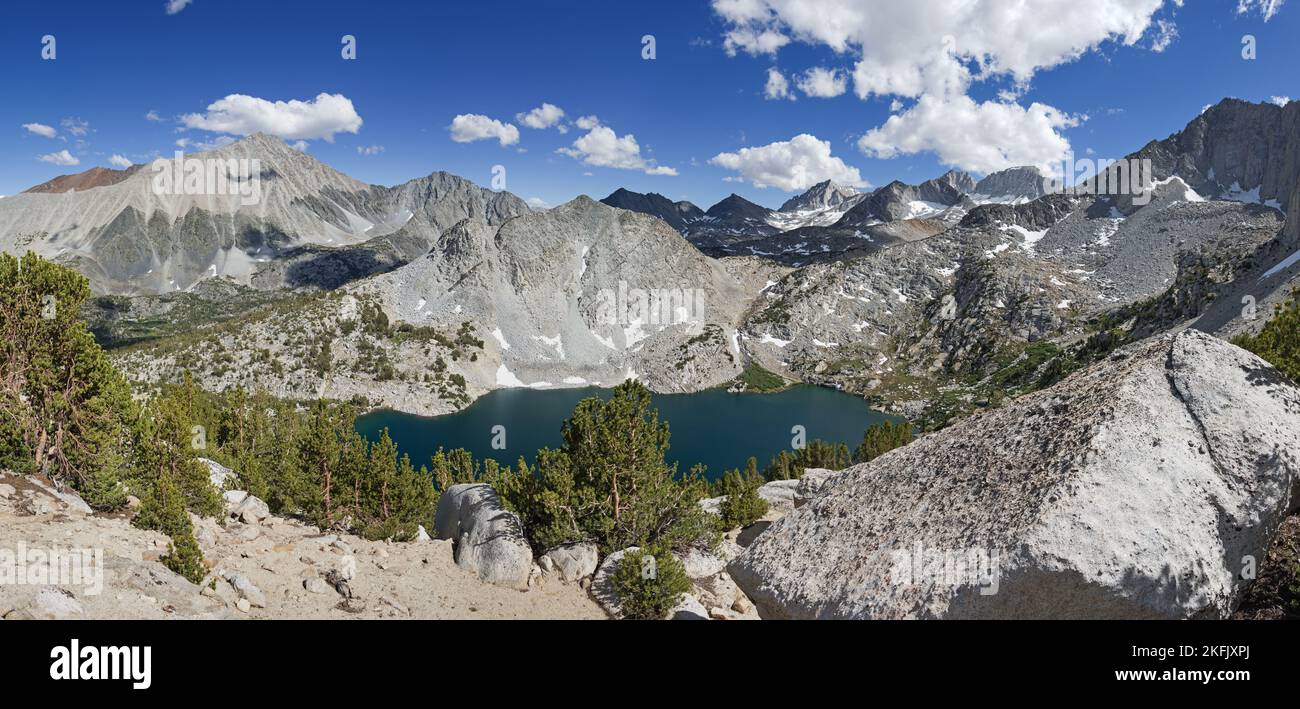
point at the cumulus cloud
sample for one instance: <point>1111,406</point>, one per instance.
<point>370,150</point>
<point>40,129</point>
<point>63,157</point>
<point>937,49</point>
<point>175,6</point>
<point>602,147</point>
<point>152,116</point>
<point>320,118</point>
<point>778,87</point>
<point>542,117</point>
<point>979,137</point>
<point>1279,100</point>
<point>793,165</point>
<point>819,82</point>
<point>1267,8</point>
<point>119,162</point>
<point>469,127</point>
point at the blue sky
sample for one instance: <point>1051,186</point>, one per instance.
<point>421,64</point>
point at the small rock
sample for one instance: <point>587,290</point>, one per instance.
<point>742,605</point>
<point>246,589</point>
<point>55,603</point>
<point>243,605</point>
<point>316,584</point>
<point>422,535</point>
<point>233,498</point>
<point>347,567</point>
<point>7,491</point>
<point>700,564</point>
<point>572,562</point>
<point>688,609</point>
<point>340,584</point>
<point>252,510</point>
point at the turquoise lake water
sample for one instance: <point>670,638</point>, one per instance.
<point>713,427</point>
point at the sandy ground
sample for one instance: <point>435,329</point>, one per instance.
<point>281,558</point>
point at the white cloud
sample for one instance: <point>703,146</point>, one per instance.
<point>778,87</point>
<point>542,117</point>
<point>1280,100</point>
<point>202,145</point>
<point>537,203</point>
<point>63,157</point>
<point>467,128</point>
<point>793,165</point>
<point>152,116</point>
<point>602,147</point>
<point>299,145</point>
<point>938,48</point>
<point>979,137</point>
<point>75,126</point>
<point>322,117</point>
<point>175,6</point>
<point>1267,8</point>
<point>119,162</point>
<point>819,82</point>
<point>370,150</point>
<point>905,47</point>
<point>1166,33</point>
<point>40,129</point>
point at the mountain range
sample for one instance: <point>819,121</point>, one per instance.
<point>930,299</point>
<point>829,220</point>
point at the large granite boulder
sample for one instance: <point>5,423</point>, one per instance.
<point>489,540</point>
<point>1146,486</point>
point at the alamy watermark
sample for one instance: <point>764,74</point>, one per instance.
<point>1102,176</point>
<point>209,176</point>
<point>33,566</point>
<point>947,568</point>
<point>649,306</point>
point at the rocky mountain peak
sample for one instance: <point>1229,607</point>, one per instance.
<point>735,206</point>
<point>823,195</point>
<point>958,180</point>
<point>1013,184</point>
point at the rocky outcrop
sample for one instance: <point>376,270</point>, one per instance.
<point>779,495</point>
<point>811,483</point>
<point>1139,488</point>
<point>218,474</point>
<point>489,540</point>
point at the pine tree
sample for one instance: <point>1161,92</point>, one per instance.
<point>741,505</point>
<point>1279,341</point>
<point>881,438</point>
<point>319,451</point>
<point>64,410</point>
<point>610,482</point>
<point>163,509</point>
<point>165,448</point>
<point>817,454</point>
